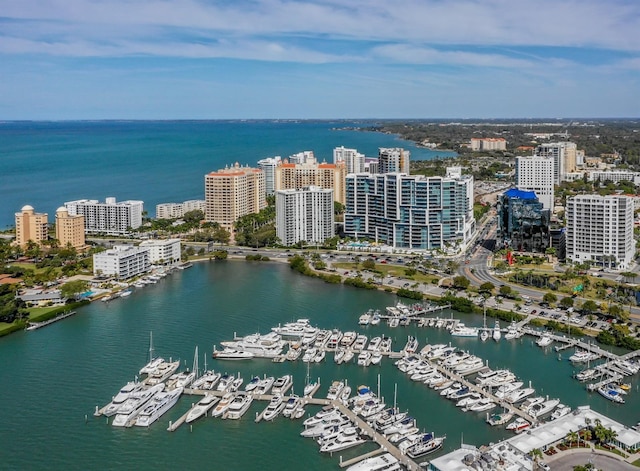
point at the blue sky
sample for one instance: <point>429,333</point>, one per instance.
<point>208,59</point>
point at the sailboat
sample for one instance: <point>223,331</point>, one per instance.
<point>310,387</point>
<point>153,362</point>
<point>484,335</point>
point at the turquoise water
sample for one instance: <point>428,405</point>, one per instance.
<point>53,377</point>
<point>45,164</point>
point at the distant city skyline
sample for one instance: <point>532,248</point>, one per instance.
<point>269,59</point>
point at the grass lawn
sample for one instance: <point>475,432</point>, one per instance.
<point>636,463</point>
<point>35,313</point>
<point>391,270</point>
<point>6,328</point>
<point>32,266</point>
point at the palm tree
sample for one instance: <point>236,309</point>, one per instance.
<point>536,454</point>
<point>572,437</point>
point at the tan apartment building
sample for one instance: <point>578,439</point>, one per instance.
<point>233,192</point>
<point>310,173</point>
<point>488,143</point>
<point>69,229</point>
<point>31,226</point>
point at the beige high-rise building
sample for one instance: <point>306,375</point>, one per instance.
<point>69,229</point>
<point>233,192</point>
<point>31,226</point>
<point>310,173</point>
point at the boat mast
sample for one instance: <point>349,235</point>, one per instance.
<point>150,346</point>
<point>195,362</point>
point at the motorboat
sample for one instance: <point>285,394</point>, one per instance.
<point>239,405</point>
<point>583,356</point>
<point>151,366</point>
<point>461,330</point>
<point>345,394</point>
<point>365,318</point>
<point>497,334</point>
<point>348,356</point>
<point>181,380</point>
<point>282,384</point>
<point>561,411</point>
<point>444,352</point>
<point>252,384</point>
<point>360,343</point>
<point>482,405</point>
<point>519,395</point>
<point>499,418</point>
<point>158,406</point>
<point>334,339</point>
<point>506,389</point>
<point>319,356</point>
<point>294,329</point>
<point>232,354</point>
<point>235,384</point>
<point>545,340</point>
<point>342,442</point>
<point>264,385</point>
<point>326,426</point>
<point>393,321</point>
<point>470,365</point>
<point>348,338</point>
<point>226,380</point>
<point>291,406</point>
<point>586,375</point>
<point>527,405</point>
<point>386,462</point>
<point>207,381</point>
<point>134,404</point>
<point>202,407</point>
<point>484,335</point>
<point>611,394</point>
<point>364,358</point>
<point>385,344</point>
<point>512,331</point>
<point>501,378</point>
<point>387,418</point>
<point>469,400</point>
<point>119,399</point>
<point>518,425</point>
<point>436,379</point>
<point>323,417</point>
<point>400,426</point>
<point>338,355</point>
<point>374,344</point>
<point>544,408</point>
<point>310,355</point>
<point>223,405</point>
<point>371,408</point>
<point>375,319</point>
<point>411,346</point>
<point>335,389</point>
<point>162,372</point>
<point>428,444</point>
<point>294,352</point>
<point>376,358</point>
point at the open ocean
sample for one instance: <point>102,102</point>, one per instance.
<point>45,164</point>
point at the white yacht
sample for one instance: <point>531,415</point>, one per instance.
<point>527,405</point>
<point>470,365</point>
<point>295,329</point>
<point>560,411</point>
<point>264,346</point>
<point>375,319</point>
<point>348,356</point>
<point>207,381</point>
<point>365,318</point>
<point>425,447</point>
<point>374,344</point>
<point>385,344</point>
<point>519,395</point>
<point>348,338</point>
<point>201,408</point>
<point>376,358</point>
<point>291,406</point>
<point>252,384</point>
<point>497,334</point>
<point>545,340</point>
<point>334,340</point>
<point>181,380</point>
<point>386,462</point>
<point>226,380</point>
<point>338,356</point>
<point>264,385</point>
<point>360,343</point>
<point>309,354</point>
<point>482,405</point>
<point>544,408</point>
<point>394,321</point>
<point>461,330</point>
<point>232,354</point>
<point>319,356</point>
<point>134,404</point>
<point>282,384</point>
<point>223,405</point>
<point>335,389</point>
<point>512,331</point>
<point>162,372</point>
<point>582,356</point>
<point>276,405</point>
<point>364,358</point>
<point>151,366</point>
<point>506,389</point>
<point>119,399</point>
<point>342,442</point>
<point>239,405</point>
<point>161,403</point>
<point>411,346</point>
<point>518,425</point>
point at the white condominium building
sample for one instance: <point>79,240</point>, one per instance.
<point>600,230</point>
<point>162,251</point>
<point>268,166</point>
<point>353,160</point>
<point>233,192</point>
<point>178,210</point>
<point>122,262</point>
<point>109,217</point>
<point>536,174</point>
<point>393,160</point>
<point>304,215</point>
<point>615,176</point>
<point>564,155</point>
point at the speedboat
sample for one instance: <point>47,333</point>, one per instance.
<point>319,356</point>
<point>161,403</point>
<point>291,406</point>
<point>342,442</point>
<point>374,344</point>
<point>506,389</point>
<point>519,395</point>
<point>527,405</point>
<point>375,319</point>
<point>251,385</point>
<point>134,405</point>
<point>499,418</point>
<point>239,405</point>
<point>364,358</point>
<point>610,394</point>
<point>226,380</point>
<point>365,318</point>
<point>232,354</point>
<point>223,405</point>
<point>376,358</point>
<point>202,407</point>
<point>518,425</point>
<point>482,405</point>
<point>386,462</point>
<point>544,408</point>
<point>119,399</point>
<point>282,384</point>
<point>276,405</point>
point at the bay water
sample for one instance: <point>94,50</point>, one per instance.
<point>52,378</point>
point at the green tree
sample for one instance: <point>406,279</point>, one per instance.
<point>567,302</point>
<point>72,289</point>
<point>550,298</point>
<point>369,264</point>
<point>486,287</point>
<point>589,307</point>
<point>194,217</point>
<point>506,291</point>
<point>461,282</point>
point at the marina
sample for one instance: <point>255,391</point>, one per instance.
<point>109,330</point>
